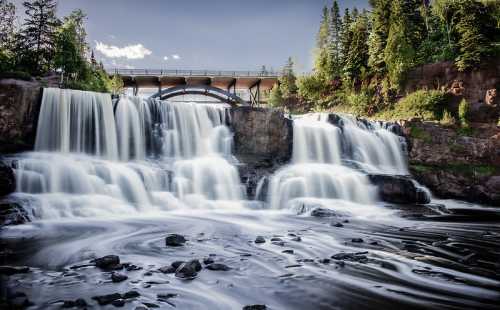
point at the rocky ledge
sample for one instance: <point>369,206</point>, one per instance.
<point>454,162</point>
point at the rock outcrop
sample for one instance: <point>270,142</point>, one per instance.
<point>399,189</point>
<point>19,109</point>
<point>456,163</point>
<point>7,180</point>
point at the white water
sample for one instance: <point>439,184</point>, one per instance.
<point>91,162</point>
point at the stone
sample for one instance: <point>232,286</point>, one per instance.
<point>357,240</point>
<point>131,294</point>
<point>108,262</point>
<point>490,97</point>
<point>107,299</point>
<point>399,189</point>
<point>177,264</point>
<point>255,307</point>
<point>8,270</point>
<point>167,269</point>
<point>7,180</point>
<point>218,267</point>
<point>287,251</point>
<point>12,213</point>
<point>118,277</point>
<point>260,239</point>
<point>118,303</point>
<point>79,303</point>
<point>297,239</point>
<point>337,224</point>
<point>208,261</point>
<point>175,240</point>
<point>186,271</point>
<point>323,212</point>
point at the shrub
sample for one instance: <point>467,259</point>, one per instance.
<point>447,118</point>
<point>424,104</point>
<point>20,75</point>
<point>360,103</point>
<point>463,113</point>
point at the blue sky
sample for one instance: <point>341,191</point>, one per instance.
<point>202,34</point>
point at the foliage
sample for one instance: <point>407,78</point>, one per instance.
<point>356,61</point>
<point>463,113</point>
<point>115,85</point>
<point>378,37</point>
<point>447,118</point>
<point>275,97</point>
<point>335,44</point>
<point>360,103</point>
<point>311,88</point>
<point>288,79</point>
<point>424,104</point>
<point>18,75</point>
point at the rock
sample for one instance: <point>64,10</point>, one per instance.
<point>287,251</point>
<point>167,269</point>
<point>12,213</point>
<point>108,262</point>
<point>274,239</point>
<point>131,294</point>
<point>260,239</point>
<point>218,267</point>
<point>118,303</point>
<point>19,108</point>
<point>255,307</point>
<point>208,261</point>
<point>79,303</point>
<point>165,297</point>
<point>337,224</point>
<point>357,240</point>
<point>399,189</point>
<point>175,240</point>
<point>7,180</point>
<point>354,257</point>
<point>177,264</point>
<point>187,270</point>
<point>107,299</point>
<point>150,305</point>
<point>8,270</point>
<point>118,277</point>
<point>262,132</point>
<point>490,97</point>
<point>323,212</point>
<point>297,239</point>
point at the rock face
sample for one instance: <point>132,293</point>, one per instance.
<point>399,189</point>
<point>19,109</point>
<point>7,180</point>
<point>262,133</point>
<point>456,164</point>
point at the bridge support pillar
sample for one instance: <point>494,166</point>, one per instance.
<point>255,94</point>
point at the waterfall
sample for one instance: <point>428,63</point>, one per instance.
<point>95,159</point>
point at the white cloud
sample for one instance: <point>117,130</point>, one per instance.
<point>176,57</point>
<point>165,58</point>
<point>137,51</point>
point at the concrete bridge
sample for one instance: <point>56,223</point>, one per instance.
<point>221,85</point>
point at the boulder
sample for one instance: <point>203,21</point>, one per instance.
<point>399,189</point>
<point>12,213</point>
<point>7,180</point>
<point>108,262</point>
<point>175,240</point>
<point>19,109</point>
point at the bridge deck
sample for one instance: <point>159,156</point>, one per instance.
<point>159,78</point>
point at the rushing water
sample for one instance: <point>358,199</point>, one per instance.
<point>116,177</point>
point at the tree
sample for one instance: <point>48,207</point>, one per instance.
<point>115,85</point>
<point>288,80</point>
<point>345,36</point>
<point>68,53</point>
<point>335,36</point>
<point>35,43</point>
<point>357,57</point>
<point>276,96</point>
<point>381,15</point>
<point>322,63</point>
<point>7,33</point>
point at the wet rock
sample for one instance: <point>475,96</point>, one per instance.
<point>107,299</point>
<point>287,251</point>
<point>167,269</point>
<point>279,243</point>
<point>297,239</point>
<point>175,240</point>
<point>399,189</point>
<point>357,240</point>
<point>208,261</point>
<point>218,267</point>
<point>166,297</point>
<point>354,257</point>
<point>324,261</point>
<point>337,224</point>
<point>187,270</point>
<point>255,307</point>
<point>12,213</point>
<point>8,270</point>
<point>118,277</point>
<point>275,239</point>
<point>323,212</point>
<point>150,305</point>
<point>141,308</point>
<point>7,180</point>
<point>19,302</point>
<point>79,303</point>
<point>108,262</point>
<point>260,239</point>
<point>177,264</point>
<point>131,294</point>
<point>118,303</point>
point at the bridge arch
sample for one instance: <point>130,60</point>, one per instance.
<point>205,90</point>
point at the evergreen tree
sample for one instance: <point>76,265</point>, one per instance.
<point>357,57</point>
<point>322,63</point>
<point>335,36</point>
<point>288,80</point>
<point>378,37</point>
<point>276,96</point>
<point>345,36</point>
<point>35,43</point>
<point>7,18</point>
<point>93,62</point>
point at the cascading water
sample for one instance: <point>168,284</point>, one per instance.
<point>88,172</point>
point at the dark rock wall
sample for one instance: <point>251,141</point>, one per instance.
<point>19,109</point>
<point>454,164</point>
<point>261,134</point>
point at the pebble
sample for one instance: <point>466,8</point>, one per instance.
<point>260,239</point>
<point>108,262</point>
<point>175,240</point>
<point>118,277</point>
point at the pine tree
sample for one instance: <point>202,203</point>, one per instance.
<point>35,43</point>
<point>93,62</point>
<point>322,63</point>
<point>7,18</point>
<point>357,56</point>
<point>335,36</point>
<point>345,36</point>
<point>288,79</point>
<point>378,37</point>
<point>276,96</point>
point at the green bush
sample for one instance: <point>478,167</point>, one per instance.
<point>19,75</point>
<point>463,113</point>
<point>424,104</point>
<point>360,103</point>
<point>447,118</point>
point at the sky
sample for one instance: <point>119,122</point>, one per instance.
<point>202,34</point>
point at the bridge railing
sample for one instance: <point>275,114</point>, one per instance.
<point>194,73</point>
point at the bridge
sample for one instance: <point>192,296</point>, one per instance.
<point>221,85</point>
